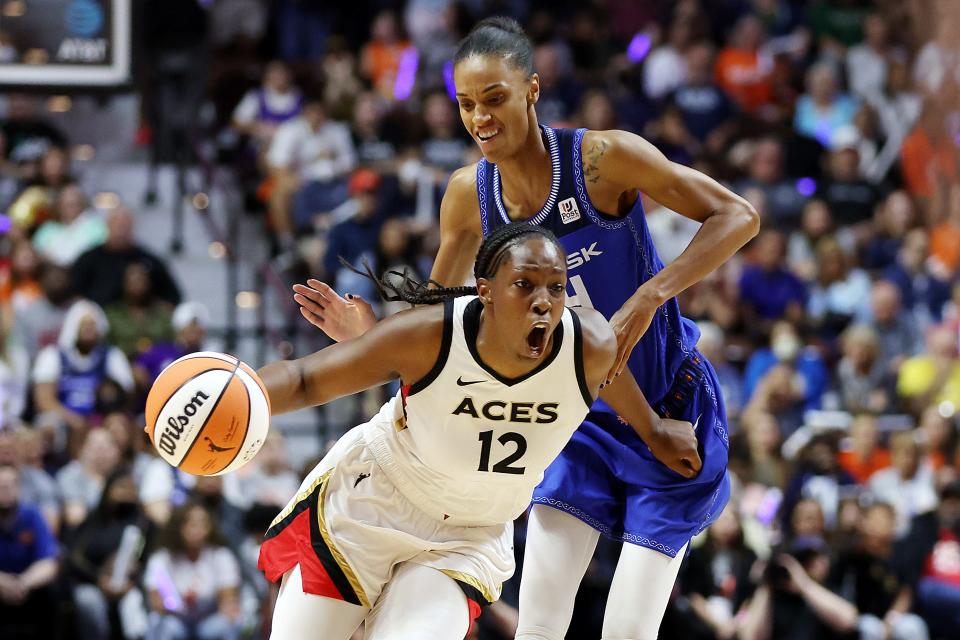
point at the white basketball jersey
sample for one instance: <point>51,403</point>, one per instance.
<point>468,445</point>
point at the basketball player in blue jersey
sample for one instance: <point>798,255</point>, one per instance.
<point>656,491</point>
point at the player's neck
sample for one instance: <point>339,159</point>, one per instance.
<point>525,177</point>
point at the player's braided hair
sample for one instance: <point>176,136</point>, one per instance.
<point>489,258</point>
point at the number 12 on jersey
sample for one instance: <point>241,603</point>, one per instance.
<point>504,466</point>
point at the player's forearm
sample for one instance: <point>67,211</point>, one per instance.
<point>287,386</point>
<point>625,397</point>
<point>720,236</point>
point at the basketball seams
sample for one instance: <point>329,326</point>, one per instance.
<point>212,410</point>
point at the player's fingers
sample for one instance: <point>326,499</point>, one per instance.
<point>324,289</point>
<point>695,462</point>
<point>309,292</point>
<point>307,303</point>
<point>312,318</point>
<point>358,300</point>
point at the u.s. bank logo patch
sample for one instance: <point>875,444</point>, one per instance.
<point>568,210</point>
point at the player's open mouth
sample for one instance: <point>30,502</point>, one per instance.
<point>487,135</point>
<point>537,339</point>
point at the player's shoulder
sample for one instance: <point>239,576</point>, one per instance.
<point>599,340</point>
<point>611,139</point>
<point>460,207</point>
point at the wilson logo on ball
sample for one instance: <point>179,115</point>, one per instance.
<point>176,424</point>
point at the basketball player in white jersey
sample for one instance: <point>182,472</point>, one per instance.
<point>406,524</point>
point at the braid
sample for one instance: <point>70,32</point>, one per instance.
<point>489,258</point>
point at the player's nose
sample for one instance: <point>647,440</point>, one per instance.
<point>541,304</point>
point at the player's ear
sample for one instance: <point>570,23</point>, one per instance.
<point>484,291</point>
<point>533,92</point>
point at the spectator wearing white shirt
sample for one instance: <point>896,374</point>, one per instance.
<point>309,158</point>
<point>264,109</point>
<point>907,484</point>
<point>867,61</point>
<point>78,228</point>
<point>666,67</point>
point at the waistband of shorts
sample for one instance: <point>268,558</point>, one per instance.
<point>377,445</point>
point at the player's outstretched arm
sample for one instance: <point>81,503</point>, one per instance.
<point>672,442</point>
<point>617,162</point>
<point>405,345</point>
<point>349,316</point>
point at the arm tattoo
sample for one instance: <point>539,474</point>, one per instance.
<point>594,153</point>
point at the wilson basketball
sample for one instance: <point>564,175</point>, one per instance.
<point>207,413</point>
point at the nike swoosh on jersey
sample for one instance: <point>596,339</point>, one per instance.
<point>463,383</point>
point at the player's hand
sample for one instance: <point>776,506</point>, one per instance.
<point>629,324</point>
<point>674,443</point>
<point>338,317</point>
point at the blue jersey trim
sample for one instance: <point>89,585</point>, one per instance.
<point>482,196</point>
<point>554,150</point>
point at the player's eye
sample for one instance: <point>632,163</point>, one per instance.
<point>523,284</point>
<point>557,288</point>
<point>466,106</point>
<point>497,99</point>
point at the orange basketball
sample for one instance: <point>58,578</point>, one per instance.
<point>207,413</point>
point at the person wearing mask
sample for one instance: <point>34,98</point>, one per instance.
<point>28,565</point>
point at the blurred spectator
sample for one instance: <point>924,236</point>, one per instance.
<point>934,376</point>
<point>716,576</point>
<point>742,70</point>
<point>28,136</point>
<point>792,601</point>
<point>665,68</point>
<point>192,580</point>
<point>807,520</point>
<point>303,29</point>
<point>837,23</point>
<point>140,318</point>
<point>897,107</point>
<point>559,90</point>
<point>66,376</point>
<point>820,477</point>
<point>786,349</point>
<point>867,62</point>
<point>265,108</point>
<point>861,377</point>
<point>928,155</point>
<point>768,290</point>
<point>939,56</point>
<point>131,442</point>
<point>938,591</point>
<point>104,564</point>
<point>309,157</point>
<point>14,373</point>
<point>36,203</point>
<point>190,321</point>
<point>876,578</point>
<point>37,324</point>
<point>907,485</point>
<point>98,274</point>
<point>840,291</point>
<point>380,58</point>
<point>164,488</point>
<point>23,448</point>
<point>28,565</point>
<point>596,111</point>
<point>816,223</point>
<point>707,111</point>
<point>850,197</point>
<point>784,202</point>
<point>763,440</point>
<point>82,480</point>
<point>712,345</point>
<point>823,110</point>
<point>76,229</point>
<point>269,481</point>
<point>938,433</point>
<point>444,146</point>
<point>923,291</point>
<point>373,139</point>
<point>945,237</point>
<point>19,284</point>
<point>861,454</point>
<point>897,332</point>
<point>892,219</point>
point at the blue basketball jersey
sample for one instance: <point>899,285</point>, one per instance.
<point>608,258</point>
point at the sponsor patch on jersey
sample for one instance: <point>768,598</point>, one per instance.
<point>569,212</point>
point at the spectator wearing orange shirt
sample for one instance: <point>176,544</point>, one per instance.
<point>380,58</point>
<point>861,454</point>
<point>945,237</point>
<point>741,70</point>
<point>927,154</point>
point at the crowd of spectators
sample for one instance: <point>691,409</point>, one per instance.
<point>834,333</point>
